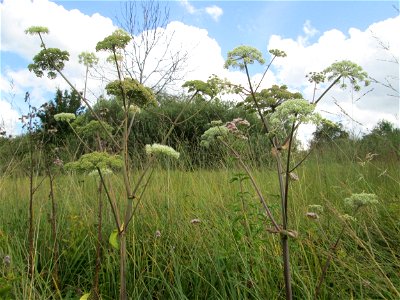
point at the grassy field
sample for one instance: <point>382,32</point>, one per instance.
<point>226,254</point>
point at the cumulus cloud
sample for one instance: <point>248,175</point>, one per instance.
<point>205,57</point>
<point>8,118</point>
<point>189,7</point>
<point>358,111</point>
<point>214,11</point>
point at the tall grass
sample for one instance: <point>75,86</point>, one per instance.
<point>226,253</point>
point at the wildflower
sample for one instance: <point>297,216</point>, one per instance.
<point>231,127</point>
<point>293,176</point>
<point>362,199</point>
<point>91,161</point>
<point>195,221</point>
<point>312,215</point>
<point>104,172</point>
<point>316,207</point>
<point>347,217</point>
<point>158,234</point>
<point>212,133</point>
<point>64,117</point>
<point>58,162</point>
<point>216,123</point>
<point>7,260</point>
<point>134,109</point>
<point>157,149</point>
<point>240,121</point>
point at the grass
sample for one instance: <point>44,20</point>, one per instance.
<point>228,255</point>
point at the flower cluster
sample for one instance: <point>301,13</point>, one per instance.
<point>158,149</point>
<point>212,133</point>
<point>313,210</point>
<point>104,172</point>
<point>92,161</point>
<point>64,117</point>
<point>134,109</point>
<point>362,199</point>
<point>233,127</point>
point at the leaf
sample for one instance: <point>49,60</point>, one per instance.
<point>114,239</point>
<point>85,296</point>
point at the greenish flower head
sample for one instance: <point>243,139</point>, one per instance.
<point>117,40</point>
<point>134,109</point>
<point>347,70</point>
<point>294,110</point>
<point>242,56</point>
<point>135,92</point>
<point>88,59</point>
<point>316,208</point>
<point>213,133</point>
<point>37,30</point>
<point>50,60</point>
<point>277,53</point>
<point>362,199</point>
<point>104,172</point>
<point>64,117</point>
<point>158,149</point>
<point>316,77</point>
<point>347,217</point>
<point>92,161</point>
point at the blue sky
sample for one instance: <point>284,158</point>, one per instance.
<point>313,33</point>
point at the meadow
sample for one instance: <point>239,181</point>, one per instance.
<point>203,235</point>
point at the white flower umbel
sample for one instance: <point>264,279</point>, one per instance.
<point>64,117</point>
<point>158,149</point>
<point>134,109</point>
<point>362,199</point>
<point>104,172</point>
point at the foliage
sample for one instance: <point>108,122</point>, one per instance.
<point>269,99</point>
<point>54,132</point>
<point>328,132</point>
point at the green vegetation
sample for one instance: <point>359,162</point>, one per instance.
<point>145,195</point>
<point>228,254</point>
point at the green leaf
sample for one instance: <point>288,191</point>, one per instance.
<point>114,239</point>
<point>85,296</point>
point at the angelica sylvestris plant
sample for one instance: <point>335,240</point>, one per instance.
<point>281,112</point>
<point>133,97</point>
<point>355,202</point>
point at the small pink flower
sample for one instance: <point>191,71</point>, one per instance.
<point>58,162</point>
<point>312,215</point>
<point>158,233</point>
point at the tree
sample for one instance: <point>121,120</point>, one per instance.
<point>383,140</point>
<point>53,131</point>
<point>151,59</point>
<point>328,132</point>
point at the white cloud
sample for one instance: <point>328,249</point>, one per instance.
<point>214,11</point>
<point>189,7</point>
<point>357,46</point>
<point>8,118</point>
<point>204,56</point>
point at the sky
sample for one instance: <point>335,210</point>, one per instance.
<point>314,34</point>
